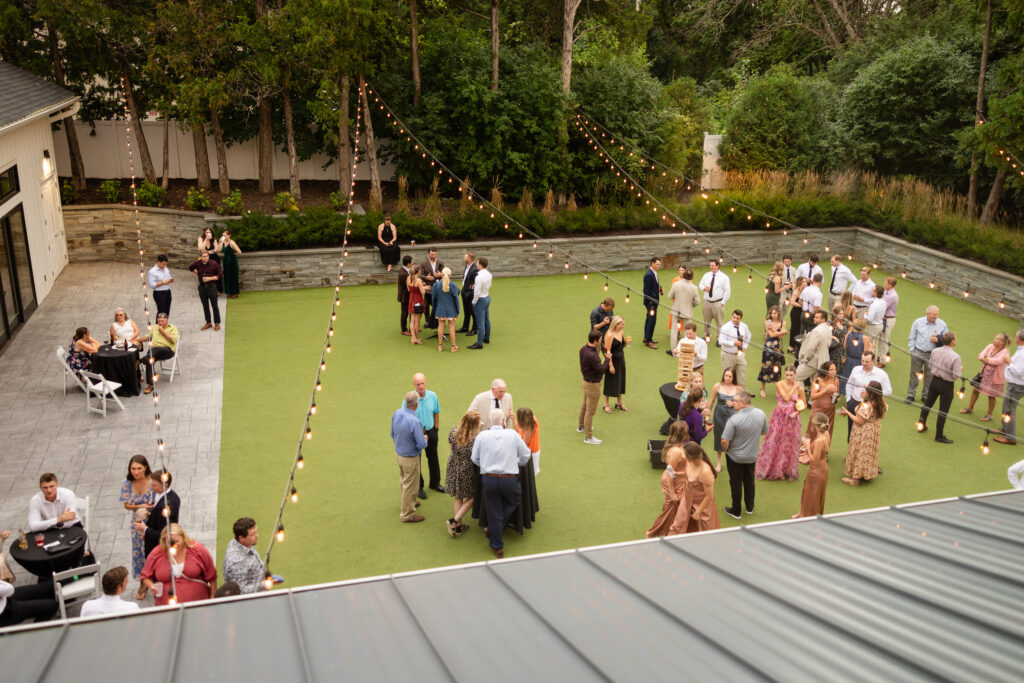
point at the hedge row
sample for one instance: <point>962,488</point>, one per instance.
<point>324,227</point>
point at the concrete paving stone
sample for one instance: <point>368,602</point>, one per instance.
<point>46,430</point>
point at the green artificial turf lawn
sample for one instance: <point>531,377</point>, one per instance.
<point>346,523</point>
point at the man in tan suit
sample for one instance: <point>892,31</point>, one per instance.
<point>684,296</point>
<point>814,350</point>
<point>496,398</point>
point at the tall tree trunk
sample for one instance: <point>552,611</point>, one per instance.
<point>494,44</point>
<point>265,147</point>
<point>140,139</point>
<point>344,143</point>
<point>202,155</point>
<point>568,33</point>
<point>837,44</point>
<point>988,214</point>
<point>74,149</point>
<point>979,111</point>
<point>844,16</point>
<point>414,53</point>
<point>223,179</point>
<point>293,155</point>
<point>166,170</point>
<point>376,197</point>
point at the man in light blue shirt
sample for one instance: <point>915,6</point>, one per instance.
<point>499,452</point>
<point>429,413</point>
<point>159,279</point>
<point>925,334</point>
<point>407,433</point>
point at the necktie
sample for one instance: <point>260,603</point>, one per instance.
<point>497,403</point>
<point>788,278</point>
<point>738,335</point>
<point>832,284</point>
<point>712,288</point>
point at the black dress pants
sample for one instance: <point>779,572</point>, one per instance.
<point>433,465</point>
<point>741,482</point>
<point>162,299</point>
<point>208,296</point>
<point>941,389</point>
<point>468,317</point>
<point>34,601</point>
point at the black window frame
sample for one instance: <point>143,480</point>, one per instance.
<point>12,172</point>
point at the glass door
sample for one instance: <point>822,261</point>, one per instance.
<point>17,289</point>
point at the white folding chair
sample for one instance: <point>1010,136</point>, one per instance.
<point>102,388</point>
<point>85,585</point>
<point>68,372</point>
<point>82,509</point>
<point>173,360</point>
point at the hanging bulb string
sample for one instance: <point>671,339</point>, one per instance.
<point>1006,153</point>
<point>627,177</point>
<point>696,185</point>
<point>161,446</point>
<point>425,152</point>
<point>306,433</point>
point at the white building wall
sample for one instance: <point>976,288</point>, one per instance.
<point>39,197</point>
<point>105,151</point>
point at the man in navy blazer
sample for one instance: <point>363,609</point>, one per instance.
<point>468,278</point>
<point>652,293</point>
<point>160,482</point>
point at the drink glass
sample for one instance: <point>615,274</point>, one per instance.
<point>39,539</point>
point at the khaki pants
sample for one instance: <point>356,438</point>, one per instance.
<point>874,332</point>
<point>674,329</point>
<point>591,398</point>
<point>738,364</point>
<point>713,310</point>
<point>409,478</point>
<point>833,299</point>
<point>883,345</point>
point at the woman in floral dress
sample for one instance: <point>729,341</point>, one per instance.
<point>862,453</point>
<point>840,328</point>
<point>137,498</point>
<point>771,355</point>
<point>781,447</point>
<point>458,478</point>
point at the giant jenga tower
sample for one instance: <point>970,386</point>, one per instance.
<point>685,368</point>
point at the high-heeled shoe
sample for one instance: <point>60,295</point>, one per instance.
<point>608,409</point>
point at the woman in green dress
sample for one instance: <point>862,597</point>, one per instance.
<point>229,264</point>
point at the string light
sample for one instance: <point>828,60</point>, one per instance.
<point>280,533</point>
<point>295,495</point>
<point>920,426</point>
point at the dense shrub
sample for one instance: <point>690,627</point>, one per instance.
<point>68,193</point>
<point>110,191</point>
<point>197,200</point>
<point>148,194</point>
<point>232,205</point>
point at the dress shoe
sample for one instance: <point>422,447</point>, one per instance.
<point>206,326</point>
<point>406,333</point>
<point>438,488</point>
<point>422,494</point>
<point>216,327</point>
<point>415,518</point>
<point>487,341</point>
<point>1004,440</point>
<point>942,439</point>
<point>417,503</point>
<point>471,333</point>
<point>651,345</point>
<point>476,346</point>
<point>499,553</point>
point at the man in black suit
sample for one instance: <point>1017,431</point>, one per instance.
<point>468,278</point>
<point>652,294</point>
<point>403,293</point>
<point>430,271</point>
<point>160,482</point>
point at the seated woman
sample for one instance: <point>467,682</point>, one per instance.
<point>124,328</point>
<point>81,350</point>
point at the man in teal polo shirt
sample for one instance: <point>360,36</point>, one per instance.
<point>429,413</point>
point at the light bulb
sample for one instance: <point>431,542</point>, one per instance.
<point>920,376</point>
<point>268,583</point>
<point>280,534</point>
<point>309,433</point>
<point>920,426</point>
<point>888,358</point>
<point>1007,418</point>
<point>606,286</point>
<point>312,409</point>
<point>984,448</point>
<point>299,462</point>
<point>627,298</point>
<point>295,495</point>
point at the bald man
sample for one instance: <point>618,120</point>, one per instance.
<point>428,410</point>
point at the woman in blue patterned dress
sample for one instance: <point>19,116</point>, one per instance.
<point>81,350</point>
<point>137,497</point>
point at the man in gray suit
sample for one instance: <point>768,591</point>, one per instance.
<point>814,350</point>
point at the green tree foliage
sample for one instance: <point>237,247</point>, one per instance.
<point>778,123</point>
<point>901,112</point>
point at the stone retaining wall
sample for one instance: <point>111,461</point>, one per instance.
<point>108,232</point>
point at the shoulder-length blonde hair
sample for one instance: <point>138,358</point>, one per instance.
<point>469,427</point>
<point>173,528</point>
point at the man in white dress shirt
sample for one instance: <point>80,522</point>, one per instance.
<point>863,291</point>
<point>856,385</point>
<point>788,279</point>
<point>892,302</point>
<point>875,318</point>
<point>715,285</point>
<point>810,269</point>
<point>1014,392</point>
<point>52,506</point>
<point>700,347</point>
<point>810,301</point>
<point>839,281</point>
<point>734,338</point>
<point>159,279</point>
<point>497,398</point>
<point>482,304</point>
<point>115,582</point>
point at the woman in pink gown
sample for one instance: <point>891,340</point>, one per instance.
<point>697,510</point>
<point>673,485</point>
<point>781,447</point>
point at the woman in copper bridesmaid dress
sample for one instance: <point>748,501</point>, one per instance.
<point>697,510</point>
<point>812,500</point>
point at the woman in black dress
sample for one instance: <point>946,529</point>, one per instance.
<point>796,314</point>
<point>387,243</point>
<point>615,376</point>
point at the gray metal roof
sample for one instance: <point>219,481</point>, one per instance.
<point>24,96</point>
<point>915,592</point>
